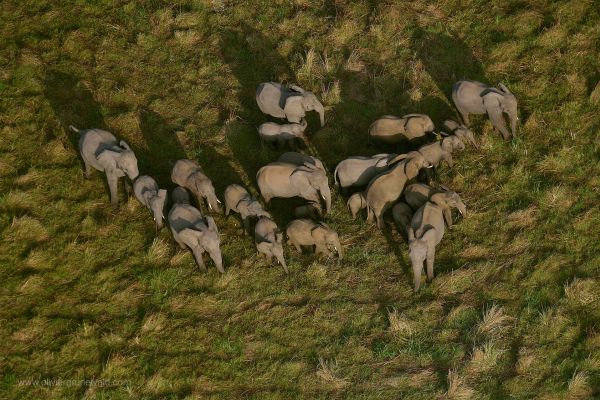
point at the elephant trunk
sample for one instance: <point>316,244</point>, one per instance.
<point>213,203</point>
<point>217,258</point>
<point>198,257</point>
<point>321,110</point>
<point>462,209</point>
<point>281,259</point>
<point>338,248</point>
<point>513,124</point>
<point>326,194</point>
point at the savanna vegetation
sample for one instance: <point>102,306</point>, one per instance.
<point>88,292</point>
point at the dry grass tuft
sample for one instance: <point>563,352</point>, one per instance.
<point>159,251</point>
<point>484,359</point>
<point>328,371</point>
<point>494,322</point>
<point>28,229</point>
<point>579,387</point>
<point>399,325</point>
<point>154,323</point>
<point>582,291</point>
<point>457,387</point>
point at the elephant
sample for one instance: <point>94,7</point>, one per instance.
<point>188,174</point>
<point>269,240</point>
<point>147,192</point>
<point>358,171</point>
<point>281,134</point>
<point>402,214</point>
<point>292,157</point>
<point>460,131</point>
<point>193,231</point>
<point>417,194</point>
<point>312,210</point>
<point>238,199</point>
<point>290,102</point>
<point>440,150</point>
<point>306,232</point>
<point>386,188</point>
<point>356,202</point>
<point>424,234</point>
<point>472,97</point>
<point>286,180</point>
<point>392,130</point>
<point>101,150</point>
<point>180,195</point>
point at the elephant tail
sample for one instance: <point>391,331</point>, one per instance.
<point>335,176</point>
<point>73,129</point>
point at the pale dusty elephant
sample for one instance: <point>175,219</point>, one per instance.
<point>194,232</point>
<point>425,233</point>
<point>289,180</point>
<point>237,199</point>
<point>281,134</point>
<point>293,157</point>
<point>358,171</point>
<point>460,131</point>
<point>391,129</point>
<point>269,240</point>
<point>147,192</point>
<point>417,194</point>
<point>440,150</point>
<point>290,102</point>
<point>306,232</point>
<point>101,150</point>
<point>471,97</point>
<point>188,174</point>
<point>356,202</point>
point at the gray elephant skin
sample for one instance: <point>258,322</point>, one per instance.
<point>391,129</point>
<point>290,102</point>
<point>194,232</point>
<point>312,210</point>
<point>417,194</point>
<point>306,232</point>
<point>269,241</point>
<point>237,199</point>
<point>281,134</point>
<point>290,180</point>
<point>425,233</point>
<point>358,171</point>
<point>402,214</point>
<point>293,157</point>
<point>188,174</point>
<point>460,131</point>
<point>472,97</point>
<point>102,151</point>
<point>147,192</point>
<point>387,187</point>
<point>355,203</point>
<point>440,150</point>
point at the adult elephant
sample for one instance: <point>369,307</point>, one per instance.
<point>290,102</point>
<point>287,180</point>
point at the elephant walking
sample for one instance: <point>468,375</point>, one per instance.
<point>471,97</point>
<point>147,192</point>
<point>269,240</point>
<point>306,232</point>
<point>290,102</point>
<point>188,174</point>
<point>102,151</point>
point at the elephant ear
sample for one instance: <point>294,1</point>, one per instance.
<point>190,237</point>
<point>162,196</point>
<point>504,88</point>
<point>108,159</point>
<point>294,108</point>
<point>492,100</point>
<point>296,88</point>
<point>124,145</point>
<point>397,159</point>
<point>411,234</point>
<point>429,237</point>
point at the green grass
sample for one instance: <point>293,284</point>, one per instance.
<point>88,292</point>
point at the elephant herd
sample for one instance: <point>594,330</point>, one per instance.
<point>380,182</point>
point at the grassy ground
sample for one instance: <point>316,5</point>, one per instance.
<point>88,292</point>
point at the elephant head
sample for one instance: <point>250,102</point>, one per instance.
<point>205,240</point>
<point>498,101</point>
<point>203,188</point>
<point>156,205</point>
<point>309,178</point>
<point>418,123</point>
<point>452,143</point>
<point>460,131</point>
<point>256,209</point>
<point>297,105</point>
<point>325,235</point>
<point>124,161</point>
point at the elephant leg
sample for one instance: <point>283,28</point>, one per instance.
<point>417,269</point>
<point>87,170</point>
<point>112,186</point>
<point>430,259</point>
<point>128,187</point>
<point>246,225</point>
<point>370,215</point>
<point>182,246</point>
<point>296,245</point>
<point>465,117</point>
<point>227,210</point>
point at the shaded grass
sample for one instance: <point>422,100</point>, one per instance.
<point>89,292</point>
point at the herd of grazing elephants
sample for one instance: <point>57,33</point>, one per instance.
<point>381,180</point>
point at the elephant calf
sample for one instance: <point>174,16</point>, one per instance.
<point>460,131</point>
<point>290,102</point>
<point>425,233</point>
<point>472,97</point>
<point>312,210</point>
<point>147,192</point>
<point>188,174</point>
<point>417,194</point>
<point>193,231</point>
<point>238,199</point>
<point>101,150</point>
<point>440,150</point>
<point>391,129</point>
<point>358,171</point>
<point>269,240</point>
<point>356,202</point>
<point>281,134</point>
<point>292,157</point>
<point>306,232</point>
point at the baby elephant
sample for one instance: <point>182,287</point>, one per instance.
<point>238,199</point>
<point>188,174</point>
<point>269,241</point>
<point>101,150</point>
<point>425,233</point>
<point>442,150</point>
<point>306,232</point>
<point>312,210</point>
<point>417,194</point>
<point>356,202</point>
<point>358,171</point>
<point>191,230</point>
<point>391,129</point>
<point>402,214</point>
<point>147,192</point>
<point>281,134</point>
<point>460,131</point>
